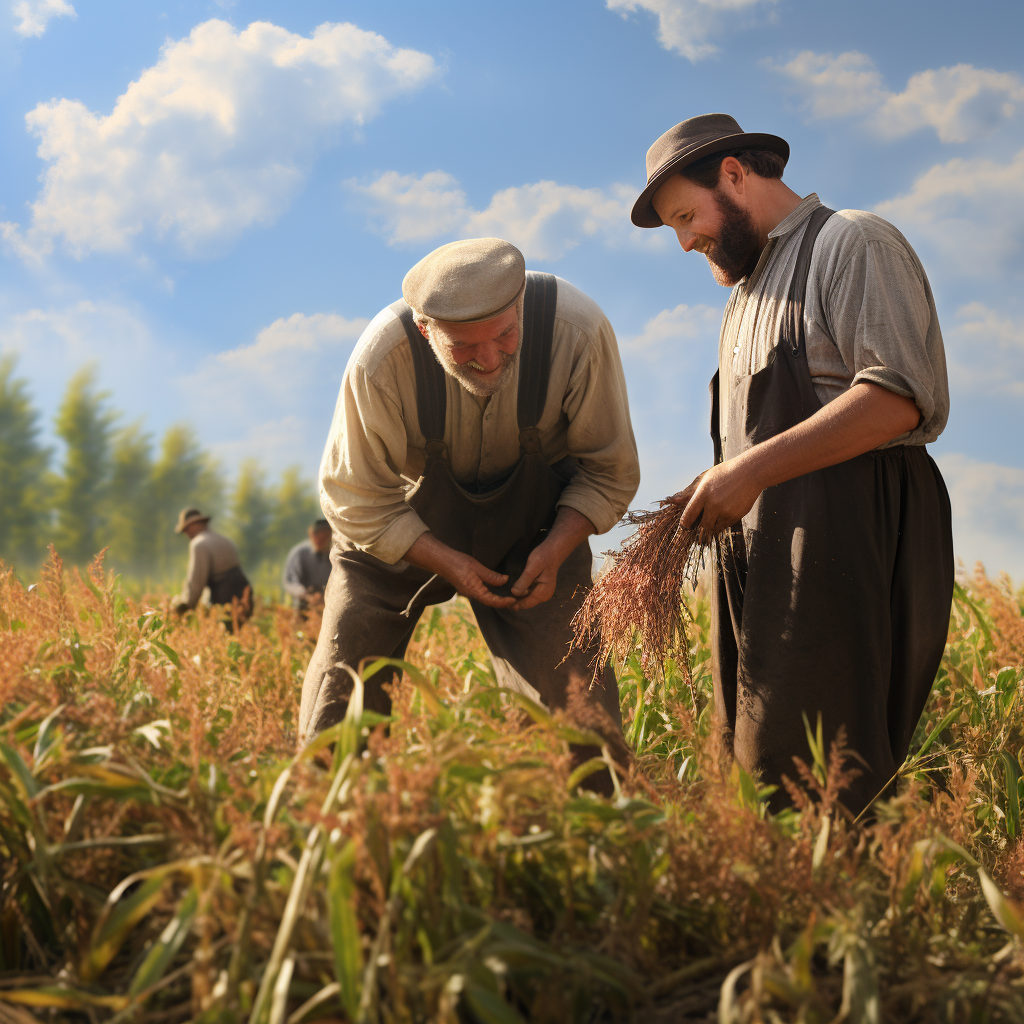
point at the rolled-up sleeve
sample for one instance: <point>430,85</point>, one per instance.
<point>882,318</point>
<point>600,434</point>
<point>362,491</point>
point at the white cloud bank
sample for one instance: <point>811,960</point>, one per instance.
<point>988,513</point>
<point>686,25</point>
<point>213,138</point>
<point>970,211</point>
<point>273,399</point>
<point>545,219</point>
<point>683,324</point>
<point>986,351</point>
<point>34,15</point>
<point>960,103</point>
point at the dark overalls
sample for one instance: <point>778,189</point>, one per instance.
<point>832,595</point>
<point>366,597</point>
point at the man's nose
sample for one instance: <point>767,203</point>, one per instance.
<point>488,356</point>
<point>687,239</point>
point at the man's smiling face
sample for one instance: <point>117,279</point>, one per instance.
<point>480,356</point>
<point>712,222</point>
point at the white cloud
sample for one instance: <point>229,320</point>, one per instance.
<point>988,513</point>
<point>274,398</point>
<point>682,324</point>
<point>545,219</point>
<point>213,138</point>
<point>35,15</point>
<point>960,103</point>
<point>685,25</point>
<point>971,211</point>
<point>986,351</point>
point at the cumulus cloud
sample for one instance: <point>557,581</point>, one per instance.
<point>34,15</point>
<point>970,211</point>
<point>213,138</point>
<point>545,219</point>
<point>686,25</point>
<point>274,398</point>
<point>682,324</point>
<point>988,513</point>
<point>960,103</point>
<point>986,351</point>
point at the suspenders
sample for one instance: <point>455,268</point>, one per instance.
<point>534,367</point>
<point>798,284</point>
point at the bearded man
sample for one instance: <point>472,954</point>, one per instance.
<point>833,554</point>
<point>482,433</point>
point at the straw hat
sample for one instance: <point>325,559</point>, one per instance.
<point>688,142</point>
<point>188,516</point>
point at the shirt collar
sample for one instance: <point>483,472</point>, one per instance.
<point>797,217</point>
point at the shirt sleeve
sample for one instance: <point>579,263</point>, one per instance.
<point>292,577</point>
<point>362,491</point>
<point>881,315</point>
<point>198,574</point>
<point>600,434</point>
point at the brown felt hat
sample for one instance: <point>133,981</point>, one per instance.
<point>466,282</point>
<point>188,516</point>
<point>687,143</point>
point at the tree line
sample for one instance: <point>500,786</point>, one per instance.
<point>114,486</point>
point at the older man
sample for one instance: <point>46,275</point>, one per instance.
<point>481,435</point>
<point>308,567</point>
<point>834,557</point>
<point>212,562</point>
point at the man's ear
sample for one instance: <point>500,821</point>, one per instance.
<point>732,174</point>
<point>423,330</point>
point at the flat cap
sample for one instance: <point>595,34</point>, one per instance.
<point>466,282</point>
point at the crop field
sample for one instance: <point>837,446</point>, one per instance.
<point>165,856</point>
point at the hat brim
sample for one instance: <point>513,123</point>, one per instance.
<point>191,522</point>
<point>644,215</point>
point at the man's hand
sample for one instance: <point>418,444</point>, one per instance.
<point>469,577</point>
<point>856,422</point>
<point>539,578</point>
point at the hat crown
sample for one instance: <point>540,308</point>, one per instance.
<point>693,132</point>
<point>466,281</point>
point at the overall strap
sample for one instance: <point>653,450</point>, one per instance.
<point>798,286</point>
<point>431,393</point>
<point>535,359</point>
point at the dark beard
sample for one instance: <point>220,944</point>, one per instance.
<point>734,256</point>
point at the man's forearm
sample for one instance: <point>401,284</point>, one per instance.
<point>569,530</point>
<point>856,422</point>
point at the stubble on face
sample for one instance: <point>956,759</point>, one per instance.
<point>736,252</point>
<point>466,373</point>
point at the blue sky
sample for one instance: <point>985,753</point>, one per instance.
<point>209,200</point>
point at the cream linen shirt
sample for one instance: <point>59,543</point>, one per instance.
<point>209,554</point>
<point>375,451</point>
<point>869,315</point>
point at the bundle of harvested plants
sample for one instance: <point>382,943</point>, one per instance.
<point>639,597</point>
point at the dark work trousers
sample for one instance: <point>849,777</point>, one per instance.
<point>832,596</point>
<point>499,527</point>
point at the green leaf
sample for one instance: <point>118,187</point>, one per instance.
<point>60,998</point>
<point>1011,794</point>
<point>1009,913</point>
<point>584,771</point>
<point>23,778</point>
<point>171,653</point>
<point>345,937</point>
<point>163,951</point>
<point>488,1007</point>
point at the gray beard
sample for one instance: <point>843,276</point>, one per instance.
<point>466,377</point>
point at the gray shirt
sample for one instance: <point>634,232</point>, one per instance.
<point>869,315</point>
<point>209,554</point>
<point>305,569</point>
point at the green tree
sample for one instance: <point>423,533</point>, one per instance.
<point>184,476</point>
<point>131,502</point>
<point>295,506</point>
<point>24,513</point>
<point>252,512</point>
<point>84,424</point>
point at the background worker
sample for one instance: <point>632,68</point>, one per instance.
<point>308,567</point>
<point>212,562</point>
<point>834,558</point>
<point>482,434</point>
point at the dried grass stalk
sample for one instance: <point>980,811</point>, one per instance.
<point>640,596</point>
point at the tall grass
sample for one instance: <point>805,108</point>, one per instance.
<point>165,855</point>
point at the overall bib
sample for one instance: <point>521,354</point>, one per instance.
<point>366,597</point>
<point>832,595</point>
